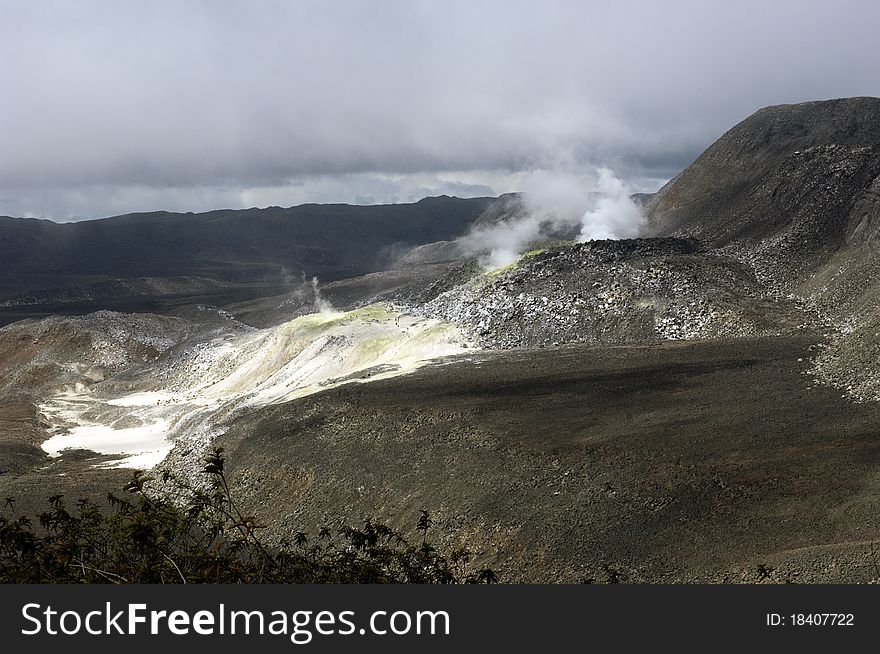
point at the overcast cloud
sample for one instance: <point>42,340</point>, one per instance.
<point>109,107</point>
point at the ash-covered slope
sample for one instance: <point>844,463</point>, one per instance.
<point>36,356</point>
<point>110,390</point>
<point>39,357</point>
<point>794,191</point>
<point>687,461</point>
<point>795,183</point>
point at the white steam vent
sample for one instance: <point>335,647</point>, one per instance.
<point>322,305</point>
<point>596,207</point>
<point>615,214</point>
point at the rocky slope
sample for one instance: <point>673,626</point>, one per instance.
<point>40,358</point>
<point>788,172</point>
<point>55,352</point>
<point>614,292</point>
<point>794,192</point>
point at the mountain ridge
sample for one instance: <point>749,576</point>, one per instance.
<point>735,190</point>
<point>48,267</point>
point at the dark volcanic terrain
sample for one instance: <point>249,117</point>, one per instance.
<point>165,261</point>
<point>700,404</point>
<point>681,462</point>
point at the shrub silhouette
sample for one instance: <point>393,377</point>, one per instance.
<point>150,539</point>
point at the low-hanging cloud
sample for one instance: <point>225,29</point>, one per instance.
<point>162,104</point>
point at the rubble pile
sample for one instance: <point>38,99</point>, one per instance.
<point>613,292</point>
<point>84,349</point>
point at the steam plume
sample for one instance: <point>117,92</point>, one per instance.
<point>307,292</point>
<point>558,205</point>
<point>615,215</point>
<point>322,305</point>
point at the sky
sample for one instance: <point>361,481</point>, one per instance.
<point>134,105</point>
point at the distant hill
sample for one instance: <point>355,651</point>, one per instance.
<point>330,240</point>
<point>128,261</point>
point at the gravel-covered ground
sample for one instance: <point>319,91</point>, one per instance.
<point>615,292</point>
<point>698,461</point>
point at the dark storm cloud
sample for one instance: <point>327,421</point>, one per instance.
<point>115,106</point>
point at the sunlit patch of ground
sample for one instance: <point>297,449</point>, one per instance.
<point>306,355</point>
